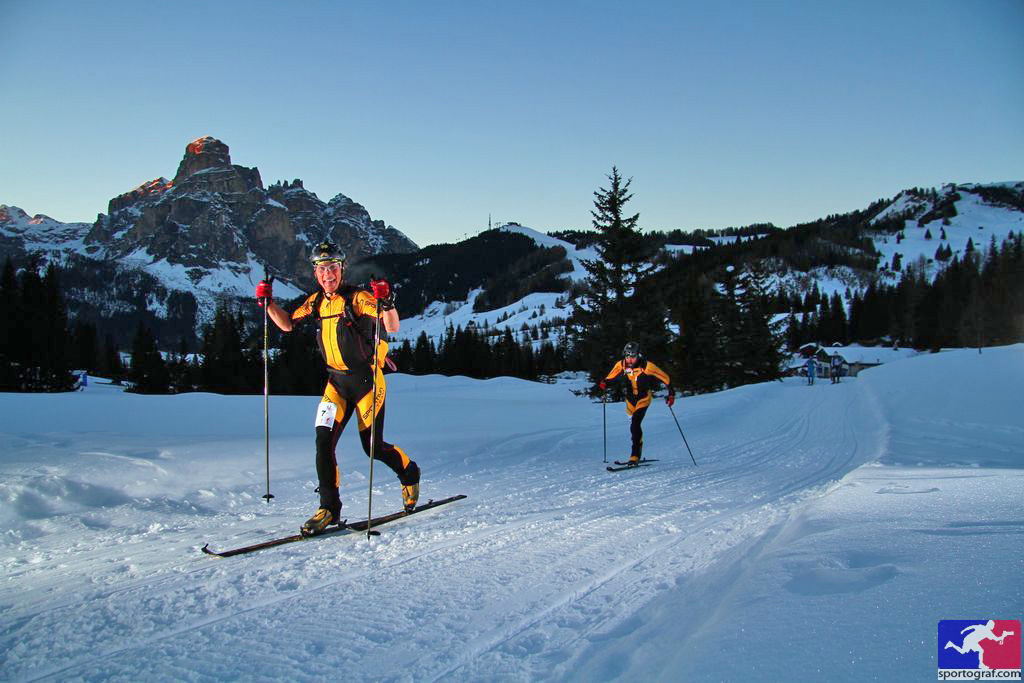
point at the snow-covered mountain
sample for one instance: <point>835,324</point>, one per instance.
<point>210,232</point>
<point>550,308</point>
<point>914,224</point>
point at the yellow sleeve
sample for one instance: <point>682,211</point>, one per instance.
<point>363,303</point>
<point>305,309</point>
<point>659,373</point>
<point>615,371</point>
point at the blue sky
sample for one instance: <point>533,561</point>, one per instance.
<point>435,115</point>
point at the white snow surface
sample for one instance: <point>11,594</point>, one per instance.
<point>824,533</point>
<point>575,255</point>
<point>530,310</point>
<point>976,221</point>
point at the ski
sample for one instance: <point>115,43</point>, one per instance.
<point>629,467</point>
<point>344,527</point>
<point>640,461</point>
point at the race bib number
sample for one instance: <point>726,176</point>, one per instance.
<point>325,414</point>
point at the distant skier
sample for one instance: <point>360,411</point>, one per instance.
<point>811,370</point>
<point>641,375</point>
<point>345,316</point>
<point>836,368</point>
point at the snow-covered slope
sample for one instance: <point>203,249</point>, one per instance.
<point>531,310</point>
<point>575,255</point>
<point>975,220</point>
<point>839,520</point>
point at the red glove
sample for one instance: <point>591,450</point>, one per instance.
<point>381,289</point>
<point>670,400</point>
<point>264,292</point>
<point>382,292</point>
<point>603,385</point>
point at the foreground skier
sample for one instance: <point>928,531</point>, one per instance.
<point>346,317</point>
<point>641,375</point>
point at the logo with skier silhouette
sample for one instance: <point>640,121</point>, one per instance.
<point>980,644</point>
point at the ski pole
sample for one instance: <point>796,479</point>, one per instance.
<point>373,421</point>
<point>266,388</point>
<point>682,435</point>
<point>604,420</point>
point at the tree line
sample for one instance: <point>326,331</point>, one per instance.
<point>39,346</point>
<point>711,318</point>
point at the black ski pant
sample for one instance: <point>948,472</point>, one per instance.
<point>347,393</point>
<point>637,433</point>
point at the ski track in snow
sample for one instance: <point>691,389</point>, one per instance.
<point>516,588</point>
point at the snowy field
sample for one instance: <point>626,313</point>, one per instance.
<point>825,532</point>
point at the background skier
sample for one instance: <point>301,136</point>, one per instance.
<point>836,368</point>
<point>811,369</point>
<point>641,376</point>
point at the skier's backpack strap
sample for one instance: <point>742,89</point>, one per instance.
<point>348,294</point>
<point>316,303</point>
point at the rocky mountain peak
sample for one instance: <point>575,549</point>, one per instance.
<point>15,218</point>
<point>217,217</point>
<point>146,191</point>
<point>202,154</point>
<point>12,214</point>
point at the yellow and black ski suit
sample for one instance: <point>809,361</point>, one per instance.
<point>641,380</point>
<point>345,337</point>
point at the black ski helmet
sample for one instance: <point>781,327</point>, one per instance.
<point>631,349</point>
<point>327,252</point>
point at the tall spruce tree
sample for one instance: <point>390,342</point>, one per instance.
<point>10,305</point>
<point>423,355</point>
<point>57,360</point>
<point>697,363</point>
<point>226,368</point>
<point>148,370</point>
<point>39,343</point>
<point>732,353</point>
<point>111,365</point>
<point>616,307</point>
<point>297,367</point>
<point>84,346</point>
<point>761,339</point>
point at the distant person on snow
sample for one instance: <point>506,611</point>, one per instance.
<point>346,315</point>
<point>812,369</point>
<point>836,368</point>
<point>641,375</point>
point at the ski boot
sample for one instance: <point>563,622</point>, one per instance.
<point>634,460</point>
<point>322,519</point>
<point>410,495</point>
